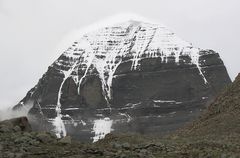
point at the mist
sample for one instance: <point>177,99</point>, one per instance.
<point>8,113</point>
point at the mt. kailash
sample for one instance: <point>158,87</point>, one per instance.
<point>130,77</point>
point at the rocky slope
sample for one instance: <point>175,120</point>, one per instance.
<point>215,134</point>
<point>222,117</point>
<point>130,77</point>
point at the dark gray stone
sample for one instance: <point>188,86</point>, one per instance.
<point>17,129</point>
<point>126,146</point>
<point>5,129</point>
<point>44,137</point>
<point>10,155</point>
<point>23,140</point>
<point>19,155</point>
<point>66,140</point>
<point>1,147</point>
<point>116,145</point>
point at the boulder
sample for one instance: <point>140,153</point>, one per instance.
<point>16,124</point>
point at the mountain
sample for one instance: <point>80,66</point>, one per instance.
<point>129,77</point>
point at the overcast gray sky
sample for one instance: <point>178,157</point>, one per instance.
<point>32,30</point>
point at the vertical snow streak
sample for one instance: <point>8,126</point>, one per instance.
<point>100,65</point>
<point>40,108</point>
<point>88,56</point>
<point>194,54</point>
<point>171,46</point>
<point>58,122</point>
<point>124,47</point>
<point>144,38</point>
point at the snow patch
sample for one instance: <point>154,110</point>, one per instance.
<point>101,128</point>
<point>167,101</point>
<point>203,98</point>
<point>194,54</point>
<point>60,129</point>
<point>71,109</point>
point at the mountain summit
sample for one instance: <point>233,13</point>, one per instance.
<point>129,77</point>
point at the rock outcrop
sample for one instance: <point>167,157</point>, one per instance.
<point>15,124</point>
<point>130,77</point>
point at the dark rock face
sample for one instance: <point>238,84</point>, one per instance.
<point>132,77</point>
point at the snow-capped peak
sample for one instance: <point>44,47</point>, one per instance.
<point>104,49</point>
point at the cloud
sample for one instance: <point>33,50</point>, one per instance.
<point>3,10</point>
